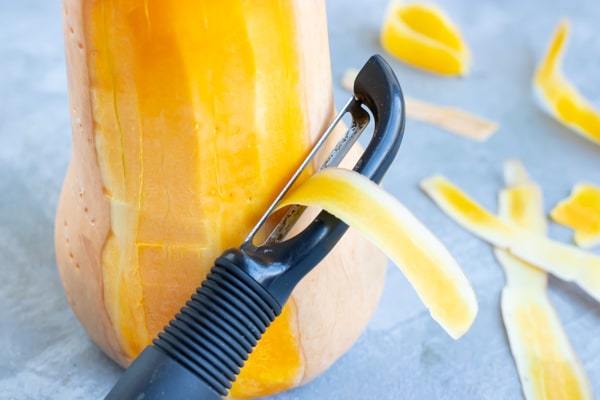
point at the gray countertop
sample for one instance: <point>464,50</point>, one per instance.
<point>403,354</point>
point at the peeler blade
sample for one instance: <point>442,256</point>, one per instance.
<point>360,120</point>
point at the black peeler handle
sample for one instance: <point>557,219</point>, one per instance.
<point>201,351</point>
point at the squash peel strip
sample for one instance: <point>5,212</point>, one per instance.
<point>559,97</point>
<point>423,36</point>
<point>426,263</point>
<point>581,212</point>
<point>451,119</point>
<point>566,262</point>
<point>547,364</point>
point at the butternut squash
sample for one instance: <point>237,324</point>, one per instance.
<point>187,118</point>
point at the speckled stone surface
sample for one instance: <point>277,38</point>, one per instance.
<point>403,354</point>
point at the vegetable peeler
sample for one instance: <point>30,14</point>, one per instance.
<point>200,352</point>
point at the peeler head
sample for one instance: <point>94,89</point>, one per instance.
<point>280,263</point>
<point>378,89</point>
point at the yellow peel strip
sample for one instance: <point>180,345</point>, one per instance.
<point>581,211</point>
<point>450,119</point>
<point>548,367</point>
<point>559,97</point>
<point>521,202</point>
<point>520,275</point>
<point>564,261</point>
<point>428,266</point>
<point>423,36</point>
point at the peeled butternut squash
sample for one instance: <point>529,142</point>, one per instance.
<point>187,118</point>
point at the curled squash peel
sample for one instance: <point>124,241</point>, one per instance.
<point>187,118</point>
<point>581,211</point>
<point>423,36</point>
<point>558,96</point>
<point>428,266</point>
<point>564,261</point>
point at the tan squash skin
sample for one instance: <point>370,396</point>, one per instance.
<point>332,304</point>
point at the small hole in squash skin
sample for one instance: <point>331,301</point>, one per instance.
<point>77,266</point>
<point>71,256</point>
<point>80,45</point>
<point>85,210</point>
<point>65,222</point>
<point>71,30</point>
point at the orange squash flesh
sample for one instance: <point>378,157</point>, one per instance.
<point>202,89</point>
<point>188,117</point>
<point>265,373</point>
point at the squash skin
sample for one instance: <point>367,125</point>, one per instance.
<point>78,240</point>
<point>331,305</point>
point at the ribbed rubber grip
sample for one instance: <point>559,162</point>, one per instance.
<point>215,332</point>
<point>201,351</point>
